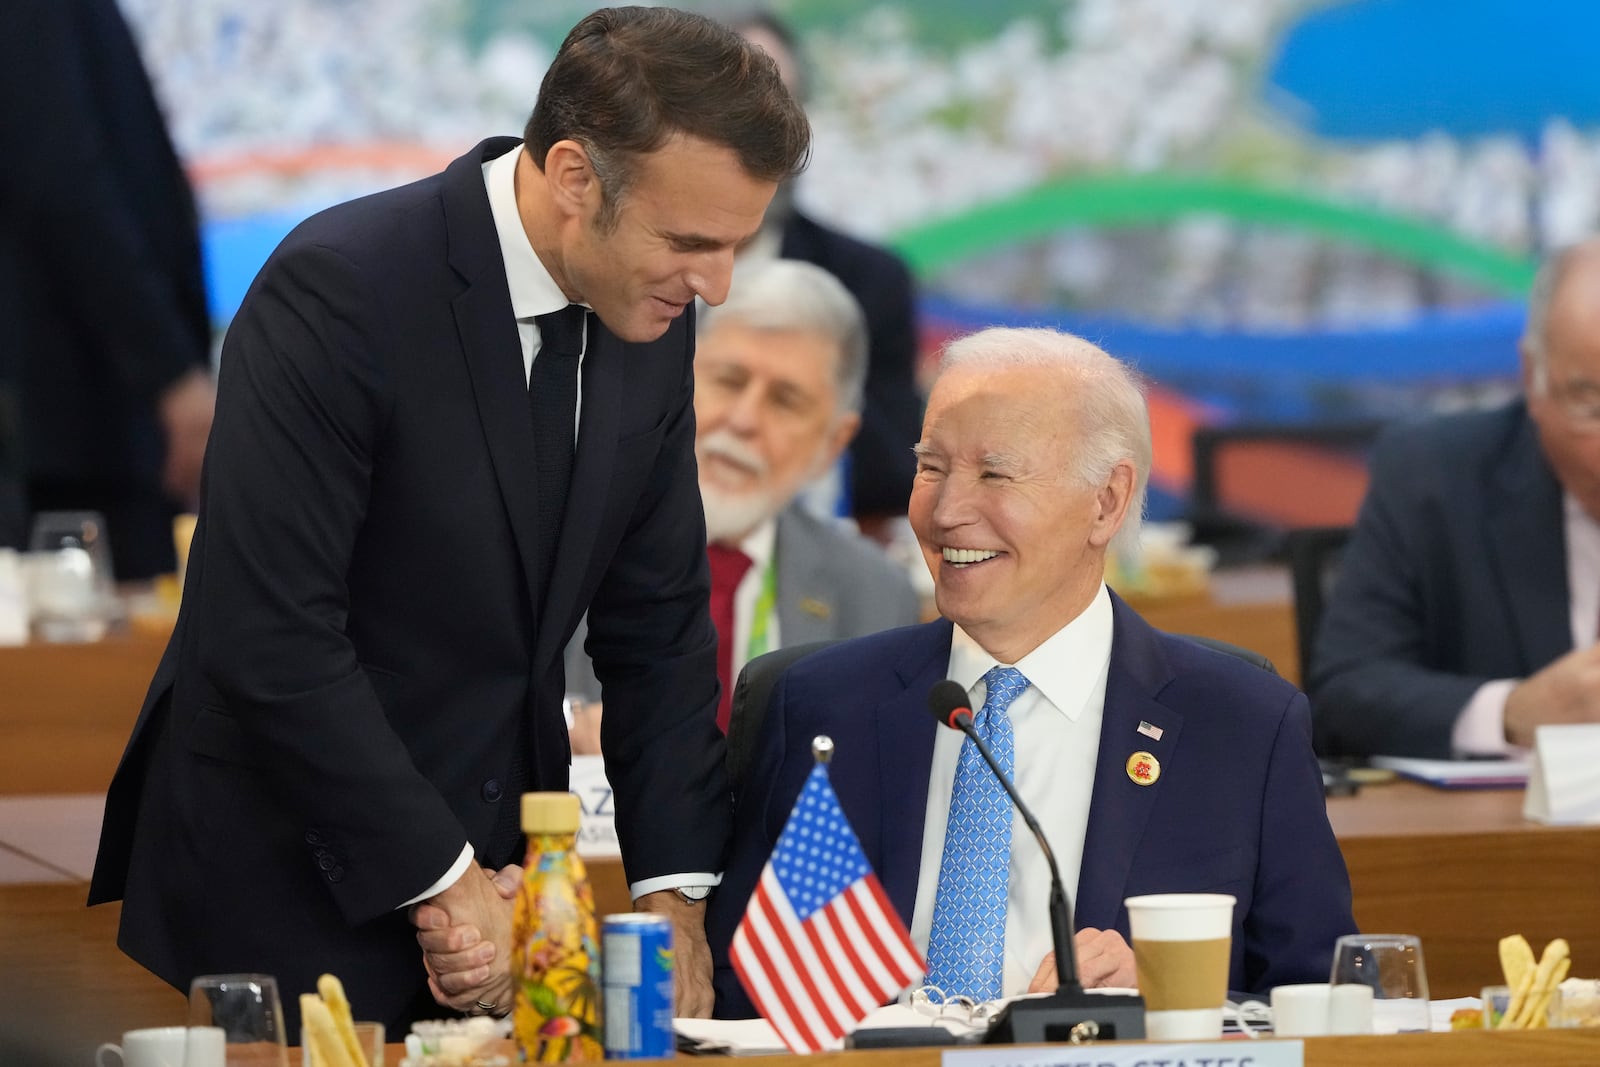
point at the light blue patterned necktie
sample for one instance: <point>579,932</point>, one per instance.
<point>966,945</point>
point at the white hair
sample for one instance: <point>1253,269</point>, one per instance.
<point>1113,422</point>
<point>1545,284</point>
<point>788,294</point>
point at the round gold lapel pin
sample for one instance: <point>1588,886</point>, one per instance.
<point>1143,768</point>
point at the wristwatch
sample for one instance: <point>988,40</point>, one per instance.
<point>692,894</point>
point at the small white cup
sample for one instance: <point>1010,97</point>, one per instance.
<point>167,1046</point>
<point>1300,1010</point>
<point>1318,1009</point>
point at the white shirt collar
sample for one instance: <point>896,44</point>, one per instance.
<point>1064,668</point>
<point>533,291</point>
<point>759,544</point>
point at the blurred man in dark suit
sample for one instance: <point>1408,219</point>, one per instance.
<point>101,295</point>
<point>1467,603</point>
<point>881,465</point>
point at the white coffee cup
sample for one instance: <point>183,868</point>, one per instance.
<point>1318,1009</point>
<point>1181,949</point>
<point>168,1046</point>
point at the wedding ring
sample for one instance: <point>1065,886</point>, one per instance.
<point>485,1008</point>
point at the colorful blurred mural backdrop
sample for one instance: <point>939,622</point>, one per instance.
<point>1287,212</point>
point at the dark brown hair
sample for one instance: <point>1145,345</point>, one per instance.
<point>628,78</point>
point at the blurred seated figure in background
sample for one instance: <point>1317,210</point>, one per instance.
<point>778,373</point>
<point>1153,764</point>
<point>881,464</point>
<point>1467,603</point>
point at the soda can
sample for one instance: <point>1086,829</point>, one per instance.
<point>636,978</point>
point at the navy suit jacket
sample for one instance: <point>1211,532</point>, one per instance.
<point>1456,575</point>
<point>1238,807</point>
<point>364,642</point>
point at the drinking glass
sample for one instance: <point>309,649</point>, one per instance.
<point>69,570</point>
<point>247,1008</point>
<point>1391,966</point>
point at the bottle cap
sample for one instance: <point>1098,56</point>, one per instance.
<point>550,813</point>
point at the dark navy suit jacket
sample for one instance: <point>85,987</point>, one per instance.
<point>1456,575</point>
<point>1238,807</point>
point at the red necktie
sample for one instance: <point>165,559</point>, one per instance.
<point>728,566</point>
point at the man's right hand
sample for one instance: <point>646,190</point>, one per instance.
<point>1567,691</point>
<point>465,934</point>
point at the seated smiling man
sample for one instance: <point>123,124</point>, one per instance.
<point>1154,764</point>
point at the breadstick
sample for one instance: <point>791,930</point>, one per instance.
<point>1519,994</point>
<point>1539,1014</point>
<point>1554,953</point>
<point>320,1035</point>
<point>1516,959</point>
<point>332,991</point>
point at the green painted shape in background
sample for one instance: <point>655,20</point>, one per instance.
<point>1151,198</point>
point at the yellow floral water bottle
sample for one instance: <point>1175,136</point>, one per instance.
<point>555,950</point>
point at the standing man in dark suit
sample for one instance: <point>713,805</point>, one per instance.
<point>102,301</point>
<point>881,465</point>
<point>367,671</point>
<point>1154,764</point>
<point>1467,603</point>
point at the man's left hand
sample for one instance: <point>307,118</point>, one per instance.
<point>692,996</point>
<point>1104,959</point>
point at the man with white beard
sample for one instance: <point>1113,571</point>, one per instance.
<point>779,370</point>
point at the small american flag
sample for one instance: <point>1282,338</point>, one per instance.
<point>1150,730</point>
<point>820,946</point>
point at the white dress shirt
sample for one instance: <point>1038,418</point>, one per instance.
<point>1480,729</point>
<point>1056,724</point>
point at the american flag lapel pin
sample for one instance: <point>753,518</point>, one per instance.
<point>1150,730</point>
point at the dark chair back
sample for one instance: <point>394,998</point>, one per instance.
<point>1255,481</point>
<point>1313,565</point>
<point>1237,651</point>
<point>751,692</point>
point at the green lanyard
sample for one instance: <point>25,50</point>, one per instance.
<point>761,621</point>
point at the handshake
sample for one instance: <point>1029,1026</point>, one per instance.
<point>465,936</point>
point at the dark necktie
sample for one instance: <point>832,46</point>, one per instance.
<point>553,399</point>
<point>728,567</point>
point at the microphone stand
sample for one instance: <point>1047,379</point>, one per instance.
<point>1069,1014</point>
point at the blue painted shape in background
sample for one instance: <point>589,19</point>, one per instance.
<point>233,251</point>
<point>1375,69</point>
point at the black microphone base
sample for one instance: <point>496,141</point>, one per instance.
<point>1068,1016</point>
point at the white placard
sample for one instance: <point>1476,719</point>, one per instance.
<point>597,831</point>
<point>13,599</point>
<point>1143,1054</point>
<point>1564,780</point>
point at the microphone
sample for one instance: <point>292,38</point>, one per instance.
<point>1068,1014</point>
